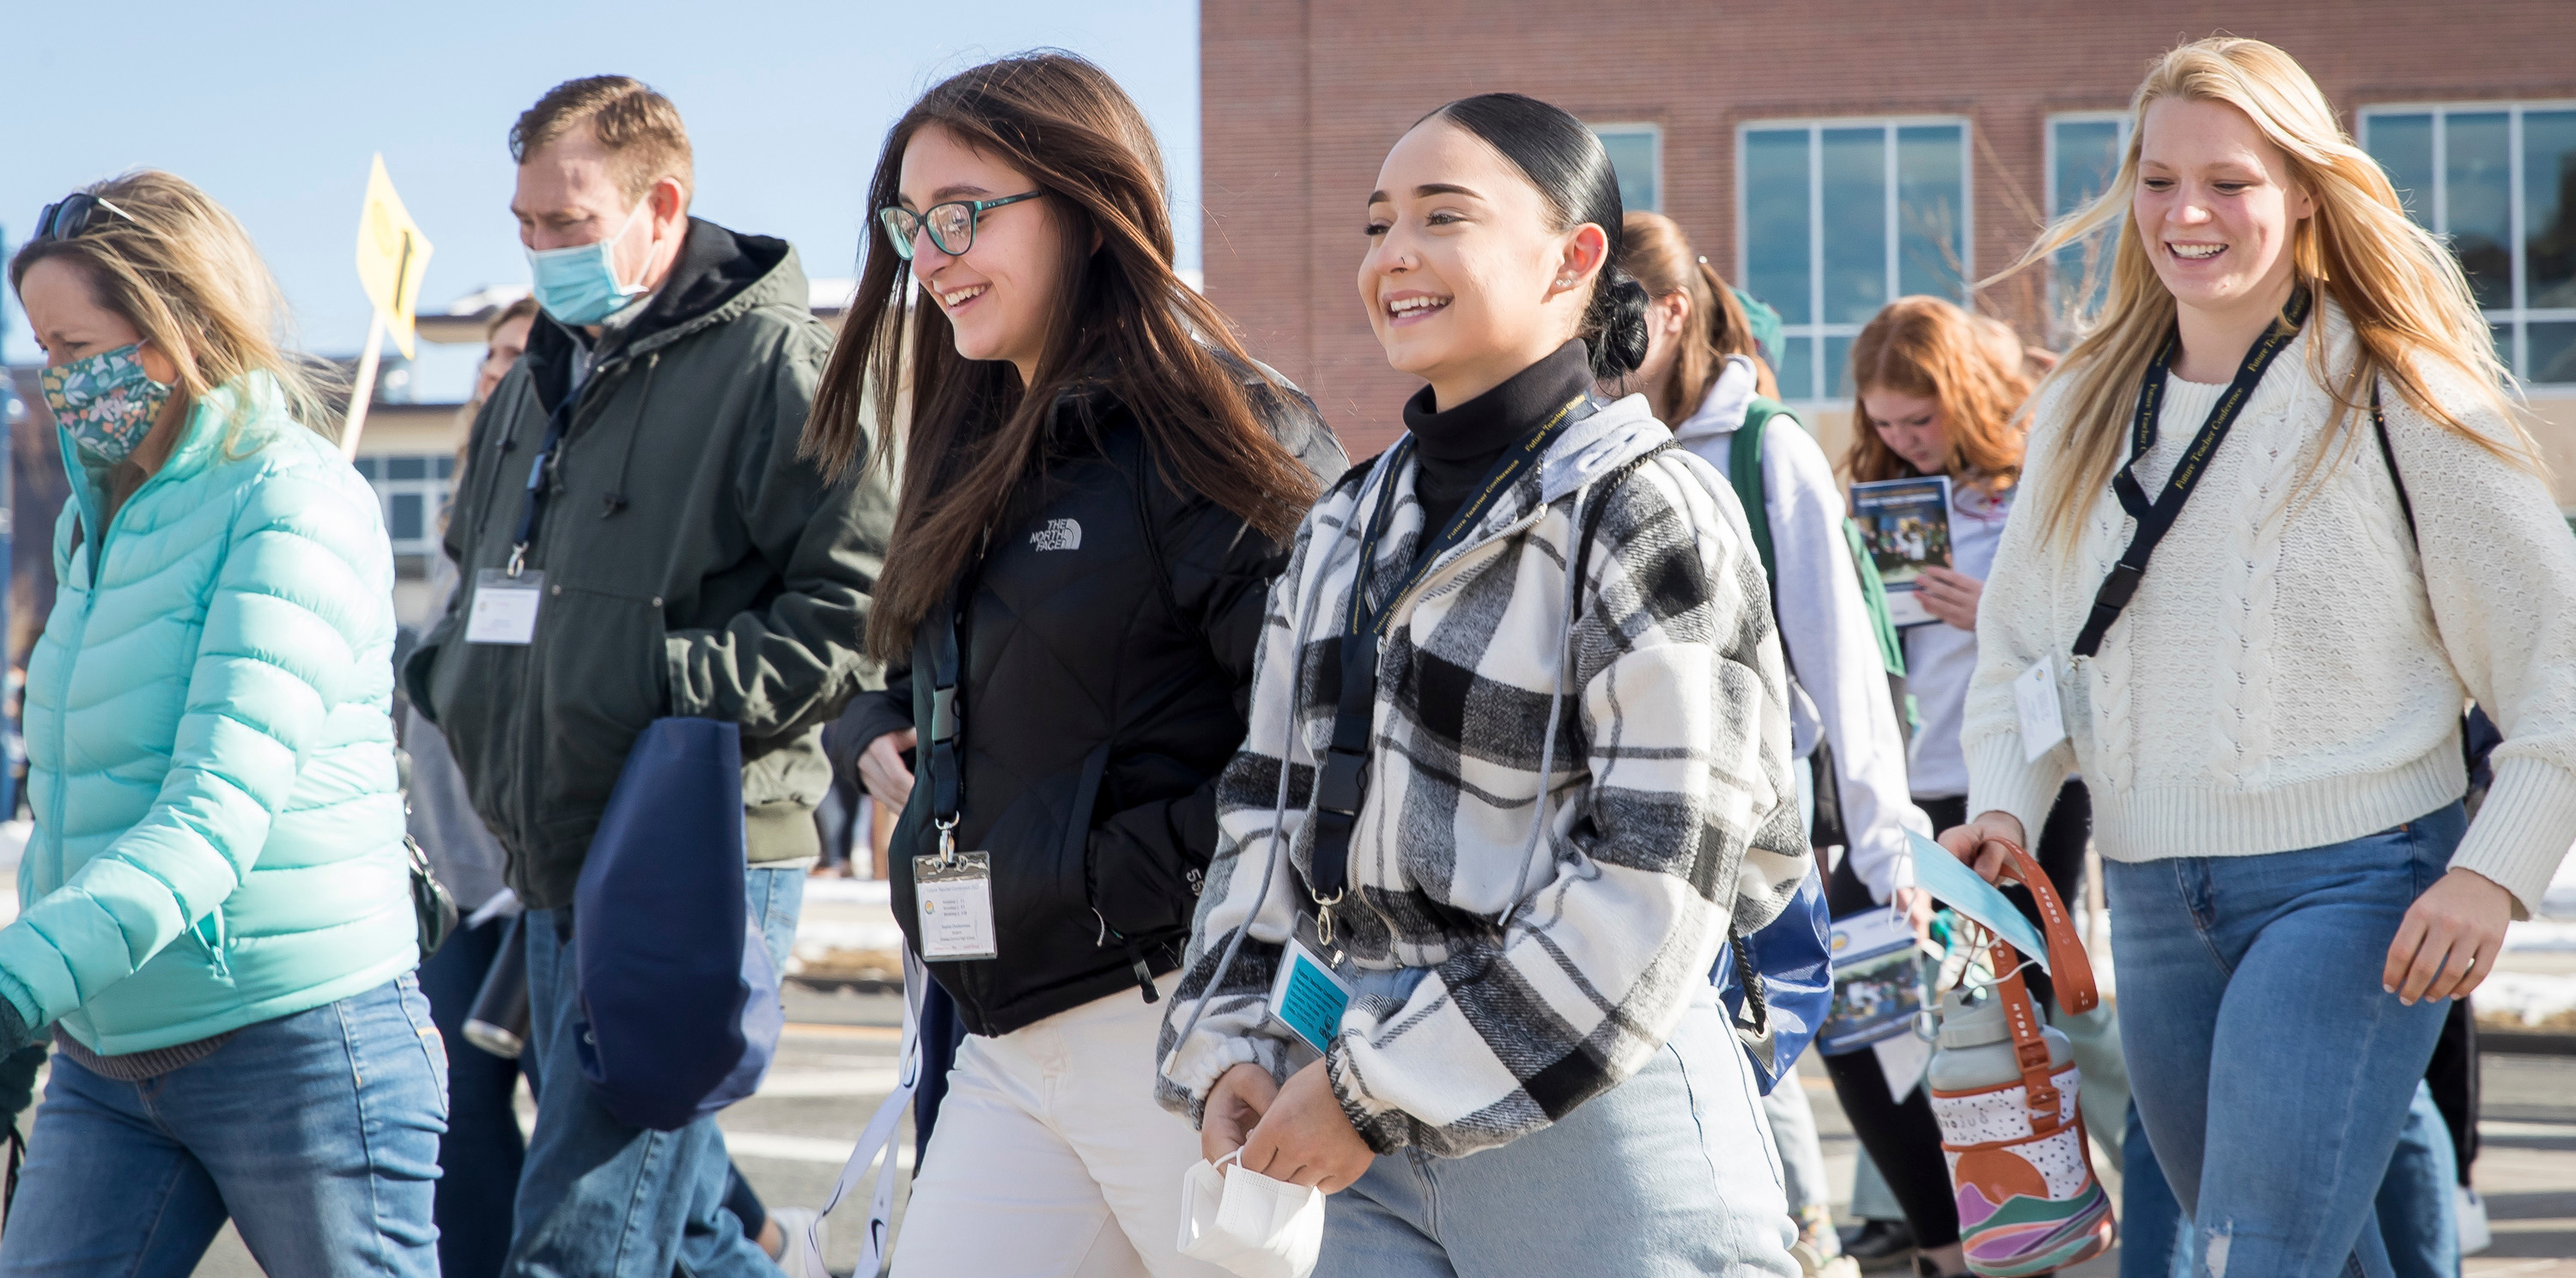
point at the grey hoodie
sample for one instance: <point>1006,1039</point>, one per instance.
<point>1826,627</point>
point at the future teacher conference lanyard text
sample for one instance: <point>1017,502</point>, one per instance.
<point>2157,517</point>
<point>1343,781</point>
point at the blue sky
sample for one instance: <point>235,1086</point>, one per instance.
<point>275,106</point>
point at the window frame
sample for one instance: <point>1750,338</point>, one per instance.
<point>1654,132</point>
<point>434,489</point>
<point>2520,316</point>
<point>1817,330</point>
<point>2059,313</point>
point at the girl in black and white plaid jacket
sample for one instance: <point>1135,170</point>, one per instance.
<point>1575,783</point>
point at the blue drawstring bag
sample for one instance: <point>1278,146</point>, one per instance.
<point>1791,956</point>
<point>679,1002</point>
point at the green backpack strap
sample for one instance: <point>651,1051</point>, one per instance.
<point>1873,591</point>
<point>1744,472</point>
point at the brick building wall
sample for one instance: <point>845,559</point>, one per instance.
<point>1302,98</point>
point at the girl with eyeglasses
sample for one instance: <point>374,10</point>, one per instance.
<point>2291,400</point>
<point>217,931</point>
<point>1518,766</point>
<point>1098,486</point>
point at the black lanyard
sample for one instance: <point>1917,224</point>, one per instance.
<point>534,507</point>
<point>2155,518</point>
<point>1343,780</point>
<point>944,748</point>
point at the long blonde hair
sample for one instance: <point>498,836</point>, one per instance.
<point>2398,286</point>
<point>180,269</point>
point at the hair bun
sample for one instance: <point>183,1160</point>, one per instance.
<point>1618,331</point>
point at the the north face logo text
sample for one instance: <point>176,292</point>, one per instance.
<point>1059,534</point>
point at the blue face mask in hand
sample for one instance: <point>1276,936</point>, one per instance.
<point>105,402</point>
<point>579,285</point>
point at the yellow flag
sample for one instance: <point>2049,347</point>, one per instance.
<point>391,253</point>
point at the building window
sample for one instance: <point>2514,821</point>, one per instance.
<point>1637,156</point>
<point>2498,180</point>
<point>1841,217</point>
<point>2084,154</point>
<point>413,489</point>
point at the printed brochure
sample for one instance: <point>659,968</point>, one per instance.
<point>1877,981</point>
<point>1905,524</point>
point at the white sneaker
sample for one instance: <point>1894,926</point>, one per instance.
<point>795,1258</point>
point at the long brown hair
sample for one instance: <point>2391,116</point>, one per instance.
<point>2398,286</point>
<point>1928,347</point>
<point>1660,256</point>
<point>1123,322</point>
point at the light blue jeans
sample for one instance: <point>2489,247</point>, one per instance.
<point>316,1133</point>
<point>1670,1173</point>
<point>2272,1072</point>
<point>2417,1203</point>
<point>598,1198</point>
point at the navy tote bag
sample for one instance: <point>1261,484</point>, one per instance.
<point>677,991</point>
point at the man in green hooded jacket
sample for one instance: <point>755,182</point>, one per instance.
<point>638,536</point>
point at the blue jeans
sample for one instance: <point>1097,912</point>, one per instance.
<point>2417,1206</point>
<point>2272,1071</point>
<point>479,1161</point>
<point>600,1198</point>
<point>316,1133</point>
<point>2419,1202</point>
<point>1669,1173</point>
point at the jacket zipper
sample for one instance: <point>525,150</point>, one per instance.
<point>97,549</point>
<point>532,736</point>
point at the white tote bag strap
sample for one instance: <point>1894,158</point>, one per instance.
<point>880,1138</point>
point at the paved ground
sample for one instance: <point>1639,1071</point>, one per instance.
<point>839,1055</point>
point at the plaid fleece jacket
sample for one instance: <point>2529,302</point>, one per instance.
<point>1669,809</point>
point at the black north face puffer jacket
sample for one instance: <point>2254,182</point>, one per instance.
<point>1106,659</point>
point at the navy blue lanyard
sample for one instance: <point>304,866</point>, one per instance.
<point>2156,518</point>
<point>534,507</point>
<point>1343,781</point>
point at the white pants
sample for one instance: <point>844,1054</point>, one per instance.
<point>1051,1159</point>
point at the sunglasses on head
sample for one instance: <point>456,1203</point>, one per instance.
<point>73,215</point>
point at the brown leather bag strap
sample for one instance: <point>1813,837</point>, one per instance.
<point>2030,1045</point>
<point>2068,967</point>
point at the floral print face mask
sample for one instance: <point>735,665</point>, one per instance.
<point>106,402</point>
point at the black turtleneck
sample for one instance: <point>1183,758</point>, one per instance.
<point>1453,449</point>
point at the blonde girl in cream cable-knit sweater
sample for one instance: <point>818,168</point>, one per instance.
<point>2271,724</point>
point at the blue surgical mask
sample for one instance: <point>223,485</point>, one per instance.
<point>105,402</point>
<point>579,285</point>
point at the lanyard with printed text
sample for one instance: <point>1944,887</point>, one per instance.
<point>2155,518</point>
<point>1343,780</point>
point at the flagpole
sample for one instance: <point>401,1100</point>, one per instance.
<point>363,389</point>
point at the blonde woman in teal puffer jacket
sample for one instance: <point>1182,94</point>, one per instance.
<point>217,924</point>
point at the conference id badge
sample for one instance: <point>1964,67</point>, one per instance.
<point>955,898</point>
<point>2043,723</point>
<point>504,608</point>
<point>1307,996</point>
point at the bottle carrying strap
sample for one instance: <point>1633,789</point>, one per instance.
<point>2069,969</point>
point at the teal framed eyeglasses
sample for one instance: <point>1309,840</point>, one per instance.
<point>951,225</point>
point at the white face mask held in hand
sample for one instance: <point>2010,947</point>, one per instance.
<point>1248,1223</point>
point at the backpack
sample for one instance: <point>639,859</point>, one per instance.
<point>1744,471</point>
<point>1777,982</point>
